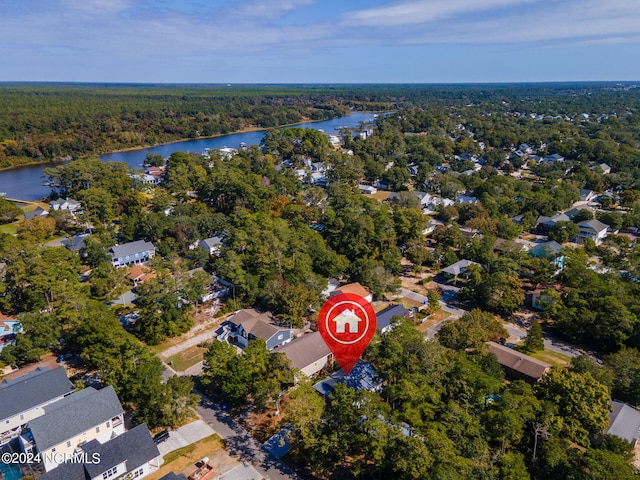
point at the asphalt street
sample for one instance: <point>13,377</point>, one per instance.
<point>241,444</point>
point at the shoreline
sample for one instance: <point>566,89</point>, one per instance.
<point>182,140</point>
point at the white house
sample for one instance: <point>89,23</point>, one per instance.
<point>593,229</point>
<point>133,252</point>
<point>214,244</point>
<point>368,189</point>
<point>308,353</point>
<point>65,204</point>
<point>130,455</point>
<point>74,421</point>
<point>24,398</point>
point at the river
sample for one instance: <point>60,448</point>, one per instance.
<point>26,183</point>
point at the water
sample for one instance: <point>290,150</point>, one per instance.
<point>26,183</point>
<point>10,472</point>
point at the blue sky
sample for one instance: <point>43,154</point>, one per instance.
<point>319,41</point>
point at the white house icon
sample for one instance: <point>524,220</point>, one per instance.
<point>347,317</point>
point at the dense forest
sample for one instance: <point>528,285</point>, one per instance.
<point>285,236</point>
<point>45,122</point>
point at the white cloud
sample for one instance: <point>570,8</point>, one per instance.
<point>269,9</point>
<point>422,11</point>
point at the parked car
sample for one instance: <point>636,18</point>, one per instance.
<point>161,436</point>
<point>64,357</point>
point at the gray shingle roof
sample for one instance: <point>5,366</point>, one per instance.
<point>33,389</point>
<point>305,350</point>
<point>131,248</point>
<point>459,267</point>
<point>73,415</point>
<point>594,224</point>
<point>385,317</point>
<point>624,422</point>
<point>136,447</point>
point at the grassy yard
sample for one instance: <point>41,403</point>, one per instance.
<point>9,228</point>
<point>187,358</point>
<point>180,459</point>
<point>436,317</point>
<point>553,358</point>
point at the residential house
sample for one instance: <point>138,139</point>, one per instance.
<point>217,288</point>
<point>368,189</point>
<point>38,212</point>
<point>130,455</point>
<point>213,245</point>
<point>517,365</point>
<point>72,422</point>
<point>384,318</point>
<point>134,252</point>
<point>75,243</point>
<point>23,399</point>
<point>308,353</point>
<point>550,249</point>
<point>248,324</point>
<point>544,223</point>
<point>362,377</point>
<point>593,229</point>
<point>139,274</point>
<point>554,158</point>
<point>507,246</point>
<point>355,288</point>
<point>606,169</point>
<point>9,328</point>
<point>467,199</point>
<point>68,204</point>
<point>624,422</point>
<point>459,268</point>
<point>587,195</point>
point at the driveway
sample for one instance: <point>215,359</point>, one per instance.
<point>185,435</point>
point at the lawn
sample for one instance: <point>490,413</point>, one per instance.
<point>433,319</point>
<point>9,228</point>
<point>180,459</point>
<point>186,358</point>
<point>554,358</point>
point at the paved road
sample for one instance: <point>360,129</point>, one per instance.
<point>239,442</point>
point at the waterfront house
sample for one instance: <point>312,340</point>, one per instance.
<point>38,212</point>
<point>68,204</point>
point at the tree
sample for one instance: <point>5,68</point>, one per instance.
<point>36,229</point>
<point>9,211</point>
<point>471,331</point>
<point>534,340</point>
<point>583,403</point>
<point>563,231</point>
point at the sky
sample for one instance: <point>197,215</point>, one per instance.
<point>319,41</point>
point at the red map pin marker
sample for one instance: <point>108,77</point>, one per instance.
<point>347,324</point>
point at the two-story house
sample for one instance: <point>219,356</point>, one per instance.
<point>213,245</point>
<point>130,455</point>
<point>248,324</point>
<point>133,252</point>
<point>24,398</point>
<point>68,204</point>
<point>73,422</point>
<point>593,229</point>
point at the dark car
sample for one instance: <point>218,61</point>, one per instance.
<point>161,436</point>
<point>64,357</point>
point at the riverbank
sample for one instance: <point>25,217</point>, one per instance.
<point>180,140</point>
